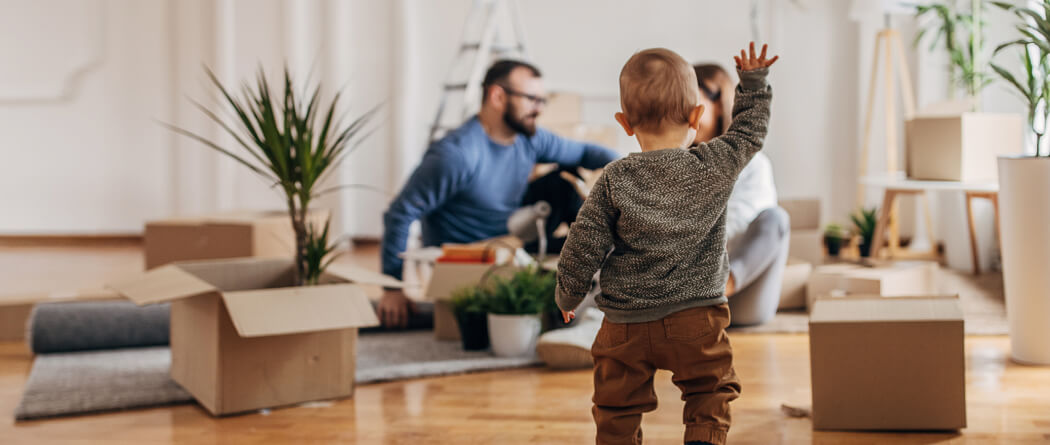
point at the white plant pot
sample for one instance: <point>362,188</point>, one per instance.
<point>1024,200</point>
<point>514,335</point>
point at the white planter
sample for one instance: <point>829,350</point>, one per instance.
<point>514,335</point>
<point>1024,200</point>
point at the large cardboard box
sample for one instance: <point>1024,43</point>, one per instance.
<point>242,339</point>
<point>888,364</point>
<point>806,238</point>
<point>15,309</point>
<point>262,234</point>
<point>887,279</point>
<point>961,147</point>
<point>793,289</point>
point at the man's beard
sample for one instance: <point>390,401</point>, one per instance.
<point>519,125</point>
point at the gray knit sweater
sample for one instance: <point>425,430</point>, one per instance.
<point>662,215</point>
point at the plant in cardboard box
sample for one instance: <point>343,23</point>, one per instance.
<point>248,333</point>
<point>1024,191</point>
<point>468,305</point>
<point>515,305</point>
<point>864,221</point>
<point>834,236</point>
<point>293,145</point>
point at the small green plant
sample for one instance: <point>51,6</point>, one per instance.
<point>529,291</point>
<point>1035,43</point>
<point>292,145</point>
<point>834,236</point>
<point>469,299</point>
<point>864,221</point>
<point>962,34</point>
<point>835,230</point>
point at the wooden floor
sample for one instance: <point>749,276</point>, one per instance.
<point>1006,403</point>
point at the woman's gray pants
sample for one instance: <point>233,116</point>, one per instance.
<point>757,261</point>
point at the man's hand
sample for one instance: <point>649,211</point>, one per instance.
<point>568,316</point>
<point>748,63</point>
<point>394,309</point>
<point>585,182</point>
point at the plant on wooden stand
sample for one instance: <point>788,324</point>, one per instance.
<point>294,146</point>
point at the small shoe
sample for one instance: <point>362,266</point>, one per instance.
<point>570,348</point>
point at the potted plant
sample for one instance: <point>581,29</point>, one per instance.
<point>293,145</point>
<point>834,236</point>
<point>468,305</point>
<point>1024,192</point>
<point>514,308</point>
<point>864,221</point>
<point>956,141</point>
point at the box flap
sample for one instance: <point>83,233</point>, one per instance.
<point>361,275</point>
<point>159,285</point>
<point>879,309</point>
<point>291,310</point>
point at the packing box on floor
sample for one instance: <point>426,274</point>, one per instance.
<point>242,339</point>
<point>888,364</point>
<point>793,289</point>
<point>448,277</point>
<point>887,279</point>
<point>961,147</point>
<point>15,309</point>
<point>263,234</point>
<point>807,238</point>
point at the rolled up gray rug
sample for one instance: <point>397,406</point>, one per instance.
<point>91,325</point>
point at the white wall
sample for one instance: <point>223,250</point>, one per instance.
<point>81,89</point>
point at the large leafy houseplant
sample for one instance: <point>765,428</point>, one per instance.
<point>962,34</point>
<point>294,145</point>
<point>1034,87</point>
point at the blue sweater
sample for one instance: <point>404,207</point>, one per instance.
<point>467,186</point>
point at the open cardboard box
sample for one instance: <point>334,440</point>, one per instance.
<point>242,339</point>
<point>448,277</point>
<point>806,238</point>
<point>793,287</point>
<point>262,234</point>
<point>888,364</point>
<point>886,279</point>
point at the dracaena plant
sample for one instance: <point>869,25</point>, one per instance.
<point>294,143</point>
<point>962,34</point>
<point>1034,45</point>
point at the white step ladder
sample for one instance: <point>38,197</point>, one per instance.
<point>488,25</point>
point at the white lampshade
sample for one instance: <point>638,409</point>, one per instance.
<point>869,9</point>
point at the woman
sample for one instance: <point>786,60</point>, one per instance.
<point>757,229</point>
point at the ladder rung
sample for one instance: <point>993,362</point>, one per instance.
<point>499,48</point>
<point>455,86</point>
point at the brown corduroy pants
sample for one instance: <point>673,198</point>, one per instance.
<point>693,345</point>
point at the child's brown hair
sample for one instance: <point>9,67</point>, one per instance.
<point>657,86</point>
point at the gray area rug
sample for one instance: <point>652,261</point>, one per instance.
<point>70,383</point>
<point>984,308</point>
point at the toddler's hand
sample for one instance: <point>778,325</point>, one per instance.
<point>568,316</point>
<point>746,63</point>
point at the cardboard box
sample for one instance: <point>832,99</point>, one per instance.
<point>15,309</point>
<point>793,289</point>
<point>446,279</point>
<point>962,147</point>
<point>604,135</point>
<point>807,245</point>
<point>804,213</point>
<point>562,108</point>
<point>889,279</point>
<point>242,340</point>
<point>888,364</point>
<point>262,234</point>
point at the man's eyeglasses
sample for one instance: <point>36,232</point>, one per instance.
<point>538,100</point>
